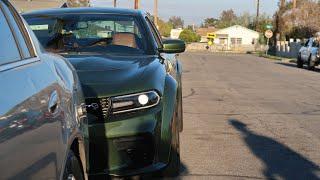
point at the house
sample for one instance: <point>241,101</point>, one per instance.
<point>236,37</point>
<point>175,33</point>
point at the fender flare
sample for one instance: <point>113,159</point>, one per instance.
<point>169,100</point>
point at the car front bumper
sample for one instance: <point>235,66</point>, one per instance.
<point>129,145</point>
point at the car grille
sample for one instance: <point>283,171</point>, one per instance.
<point>98,107</point>
<point>105,107</point>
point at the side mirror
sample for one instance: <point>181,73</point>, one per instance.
<point>173,46</point>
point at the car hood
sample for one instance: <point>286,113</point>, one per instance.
<point>105,76</point>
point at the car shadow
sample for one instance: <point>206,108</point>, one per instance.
<point>36,167</point>
<point>280,161</point>
<point>292,65</point>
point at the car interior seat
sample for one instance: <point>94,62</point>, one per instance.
<point>125,39</point>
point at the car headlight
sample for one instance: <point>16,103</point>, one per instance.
<point>134,102</point>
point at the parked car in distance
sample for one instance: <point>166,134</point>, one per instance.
<point>131,79</point>
<point>40,110</point>
<point>309,54</point>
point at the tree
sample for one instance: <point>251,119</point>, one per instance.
<point>164,28</point>
<point>189,36</point>
<point>210,22</point>
<point>176,21</point>
<point>300,22</point>
<point>246,20</point>
<point>227,18</point>
<point>264,20</point>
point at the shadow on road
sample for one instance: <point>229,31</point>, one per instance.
<point>295,66</point>
<point>279,160</point>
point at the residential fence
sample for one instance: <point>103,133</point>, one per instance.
<point>288,49</point>
<point>225,48</point>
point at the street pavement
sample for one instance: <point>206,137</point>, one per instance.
<point>249,118</point>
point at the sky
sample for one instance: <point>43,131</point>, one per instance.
<point>195,11</point>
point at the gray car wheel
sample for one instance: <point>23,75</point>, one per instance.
<point>310,64</point>
<point>299,62</point>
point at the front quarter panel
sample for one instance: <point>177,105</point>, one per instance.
<point>169,103</point>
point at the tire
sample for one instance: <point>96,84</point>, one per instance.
<point>299,62</point>
<point>73,170</point>
<point>180,109</point>
<point>173,167</point>
<point>181,115</point>
<point>310,65</point>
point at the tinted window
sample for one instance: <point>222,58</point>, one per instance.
<point>9,51</point>
<point>307,43</point>
<point>90,33</point>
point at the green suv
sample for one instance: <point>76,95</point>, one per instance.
<point>131,80</point>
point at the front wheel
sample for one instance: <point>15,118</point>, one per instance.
<point>173,167</point>
<point>299,62</point>
<point>73,170</point>
<point>310,64</point>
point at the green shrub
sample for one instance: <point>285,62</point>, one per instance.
<point>189,36</point>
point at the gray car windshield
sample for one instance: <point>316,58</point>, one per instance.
<point>118,34</point>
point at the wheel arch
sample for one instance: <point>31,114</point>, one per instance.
<point>169,100</point>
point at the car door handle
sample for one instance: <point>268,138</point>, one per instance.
<point>53,102</point>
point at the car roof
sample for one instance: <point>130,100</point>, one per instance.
<point>85,10</point>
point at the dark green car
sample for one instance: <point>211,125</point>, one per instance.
<point>131,79</point>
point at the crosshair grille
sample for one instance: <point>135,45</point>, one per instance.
<point>105,107</point>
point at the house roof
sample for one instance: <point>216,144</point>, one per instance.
<point>236,26</point>
<point>205,31</point>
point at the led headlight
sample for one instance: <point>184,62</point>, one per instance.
<point>134,102</point>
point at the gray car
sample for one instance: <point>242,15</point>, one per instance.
<point>309,54</point>
<point>41,106</point>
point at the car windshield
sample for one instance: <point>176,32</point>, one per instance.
<point>119,34</point>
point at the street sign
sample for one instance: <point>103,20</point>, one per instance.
<point>269,26</point>
<point>211,35</point>
<point>268,34</point>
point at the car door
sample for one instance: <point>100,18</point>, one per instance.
<point>314,48</point>
<point>30,110</point>
<point>308,49</point>
<point>304,51</point>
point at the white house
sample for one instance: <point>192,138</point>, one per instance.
<point>175,33</point>
<point>235,37</point>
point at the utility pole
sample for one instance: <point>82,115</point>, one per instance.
<point>258,14</point>
<point>156,13</point>
<point>115,3</point>
<point>136,4</point>
<point>282,4</point>
<point>294,4</point>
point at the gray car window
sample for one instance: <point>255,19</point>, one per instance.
<point>307,43</point>
<point>17,32</point>
<point>9,51</point>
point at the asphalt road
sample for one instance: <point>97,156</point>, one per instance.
<point>249,118</point>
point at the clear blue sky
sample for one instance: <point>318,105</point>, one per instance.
<point>194,11</point>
